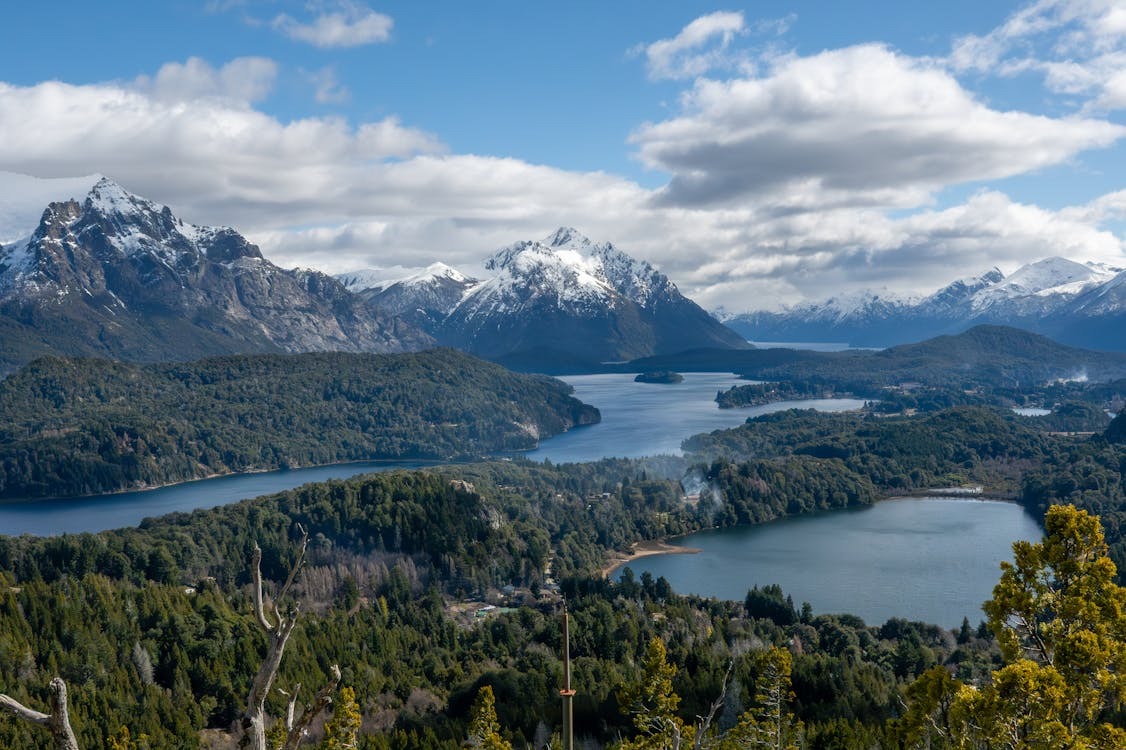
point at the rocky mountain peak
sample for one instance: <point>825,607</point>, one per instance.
<point>122,276</point>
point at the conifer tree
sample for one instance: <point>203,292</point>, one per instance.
<point>1060,621</point>
<point>484,727</point>
<point>342,731</point>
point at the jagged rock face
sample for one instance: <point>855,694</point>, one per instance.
<point>1079,304</point>
<point>568,294</point>
<point>120,276</point>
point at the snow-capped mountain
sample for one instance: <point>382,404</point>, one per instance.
<point>570,295</point>
<point>563,296</point>
<point>423,299</point>
<point>117,275</point>
<point>1076,303</point>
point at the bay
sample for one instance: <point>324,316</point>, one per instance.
<point>929,559</point>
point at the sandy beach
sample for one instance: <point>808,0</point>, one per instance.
<point>645,549</point>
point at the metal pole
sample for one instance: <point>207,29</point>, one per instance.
<point>567,693</point>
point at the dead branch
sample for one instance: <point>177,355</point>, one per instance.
<point>706,721</point>
<point>254,719</point>
<point>298,730</point>
<point>57,722</point>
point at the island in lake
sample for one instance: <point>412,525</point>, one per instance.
<point>659,376</point>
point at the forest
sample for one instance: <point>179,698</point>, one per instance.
<point>83,427</point>
<point>153,629</point>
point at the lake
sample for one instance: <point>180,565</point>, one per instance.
<point>651,419</point>
<point>929,559</point>
<point>638,419</point>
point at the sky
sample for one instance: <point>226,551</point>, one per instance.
<point>760,154</point>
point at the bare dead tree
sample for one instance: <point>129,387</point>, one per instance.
<point>57,722</point>
<point>297,730</point>
<point>703,738</point>
<point>278,629</point>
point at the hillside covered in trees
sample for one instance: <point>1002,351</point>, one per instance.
<point>80,426</point>
<point>152,627</point>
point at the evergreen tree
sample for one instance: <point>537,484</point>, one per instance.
<point>484,727</point>
<point>769,723</point>
<point>653,704</point>
<point>1060,621</point>
<point>342,731</point>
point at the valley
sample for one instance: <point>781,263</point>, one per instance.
<point>449,507</point>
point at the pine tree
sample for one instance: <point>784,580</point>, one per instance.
<point>1060,621</point>
<point>484,727</point>
<point>342,731</point>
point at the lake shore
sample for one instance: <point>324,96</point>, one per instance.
<point>645,549</point>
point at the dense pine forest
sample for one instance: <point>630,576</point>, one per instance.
<point>153,627</point>
<point>79,426</point>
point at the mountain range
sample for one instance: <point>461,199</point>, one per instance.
<point>562,297</point>
<point>1078,304</point>
<point>115,275</point>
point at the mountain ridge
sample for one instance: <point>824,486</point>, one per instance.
<point>117,275</point>
<point>1079,304</point>
<point>561,297</point>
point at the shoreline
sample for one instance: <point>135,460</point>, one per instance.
<point>645,549</point>
<point>425,462</point>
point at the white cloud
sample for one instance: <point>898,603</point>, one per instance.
<point>244,79</point>
<point>348,24</point>
<point>861,126</point>
<point>329,194</point>
<point>699,47</point>
<point>327,89</point>
<point>1078,45</point>
<point>813,256</point>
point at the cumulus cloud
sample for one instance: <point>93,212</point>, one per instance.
<point>334,195</point>
<point>813,256</point>
<point>311,189</point>
<point>347,24</point>
<point>699,47</point>
<point>861,126</point>
<point>244,79</point>
<point>1079,46</point>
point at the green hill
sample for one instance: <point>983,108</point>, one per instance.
<point>88,426</point>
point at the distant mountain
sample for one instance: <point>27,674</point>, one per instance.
<point>423,299</point>
<point>991,356</point>
<point>117,275</point>
<point>1078,304</point>
<point>565,298</point>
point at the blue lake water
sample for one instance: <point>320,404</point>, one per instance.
<point>929,559</point>
<point>650,419</point>
<point>934,560</point>
<point>638,419</point>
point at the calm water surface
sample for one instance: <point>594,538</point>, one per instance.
<point>929,559</point>
<point>650,419</point>
<point>101,512</point>
<point>638,419</point>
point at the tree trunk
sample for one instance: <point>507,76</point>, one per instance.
<point>57,722</point>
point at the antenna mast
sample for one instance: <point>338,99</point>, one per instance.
<point>567,693</point>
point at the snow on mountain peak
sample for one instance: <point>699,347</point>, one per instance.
<point>109,198</point>
<point>567,237</point>
<point>1050,276</point>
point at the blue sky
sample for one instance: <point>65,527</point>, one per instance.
<point>760,153</point>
